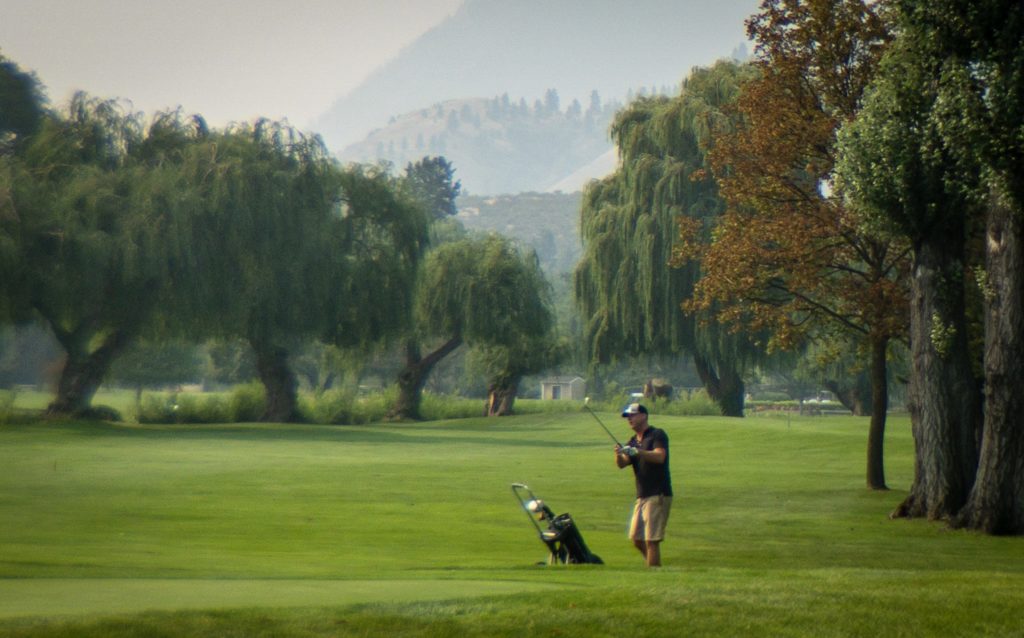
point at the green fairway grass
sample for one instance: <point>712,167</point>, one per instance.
<point>412,530</point>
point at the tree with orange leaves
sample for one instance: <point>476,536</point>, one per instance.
<point>786,257</point>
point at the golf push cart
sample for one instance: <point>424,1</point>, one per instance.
<point>564,541</point>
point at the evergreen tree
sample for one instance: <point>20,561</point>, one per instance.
<point>431,182</point>
<point>552,105</point>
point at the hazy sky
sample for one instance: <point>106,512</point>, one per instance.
<point>225,59</point>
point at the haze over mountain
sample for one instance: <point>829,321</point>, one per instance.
<point>522,48</point>
<point>500,146</point>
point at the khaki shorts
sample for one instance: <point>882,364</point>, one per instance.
<point>649,518</point>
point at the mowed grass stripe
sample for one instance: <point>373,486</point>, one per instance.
<point>53,597</point>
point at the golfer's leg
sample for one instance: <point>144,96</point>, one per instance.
<point>655,517</point>
<point>653,553</point>
<point>637,527</point>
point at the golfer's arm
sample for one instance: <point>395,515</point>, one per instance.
<point>656,456</point>
<point>622,460</point>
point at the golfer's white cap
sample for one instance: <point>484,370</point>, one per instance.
<point>634,408</point>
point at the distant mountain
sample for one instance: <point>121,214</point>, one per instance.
<point>499,146</point>
<point>525,47</point>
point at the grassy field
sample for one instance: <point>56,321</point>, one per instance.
<point>412,530</point>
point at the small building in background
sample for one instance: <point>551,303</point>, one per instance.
<point>559,388</point>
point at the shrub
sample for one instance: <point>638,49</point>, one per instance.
<point>330,407</point>
<point>436,407</point>
<point>345,407</point>
<point>175,407</point>
<point>247,402</point>
<point>203,408</point>
<point>697,404</point>
<point>157,407</point>
<point>7,398</point>
<point>373,407</point>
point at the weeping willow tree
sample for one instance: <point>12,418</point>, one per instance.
<point>89,207</point>
<point>288,248</point>
<point>523,341</point>
<point>505,365</point>
<point>488,295</point>
<point>627,292</point>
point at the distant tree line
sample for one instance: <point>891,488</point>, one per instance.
<point>116,230</point>
<point>501,145</point>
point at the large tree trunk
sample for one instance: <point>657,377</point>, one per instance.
<point>414,376</point>
<point>879,406</point>
<point>944,399</point>
<point>279,382</point>
<point>996,503</point>
<point>501,397</point>
<point>84,371</point>
<point>725,387</point>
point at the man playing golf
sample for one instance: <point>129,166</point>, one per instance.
<point>647,452</point>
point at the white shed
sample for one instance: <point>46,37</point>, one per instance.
<point>558,388</point>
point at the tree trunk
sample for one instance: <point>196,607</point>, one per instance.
<point>879,406</point>
<point>943,397</point>
<point>725,388</point>
<point>138,401</point>
<point>279,382</point>
<point>83,372</point>
<point>414,376</point>
<point>328,382</point>
<point>595,382</point>
<point>857,398</point>
<point>501,396</point>
<point>996,502</point>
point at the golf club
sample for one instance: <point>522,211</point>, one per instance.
<point>586,406</point>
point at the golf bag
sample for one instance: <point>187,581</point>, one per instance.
<point>563,539</point>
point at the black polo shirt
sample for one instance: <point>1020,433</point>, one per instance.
<point>652,479</point>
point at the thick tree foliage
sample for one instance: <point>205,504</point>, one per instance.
<point>22,105</point>
<point>88,209</point>
<point>786,257</point>
<point>937,153</point>
<point>287,247</point>
<point>486,294</point>
<point>628,295</point>
<point>431,181</point>
<point>21,111</point>
<point>505,365</point>
<point>895,165</point>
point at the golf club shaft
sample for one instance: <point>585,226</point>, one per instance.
<point>601,423</point>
